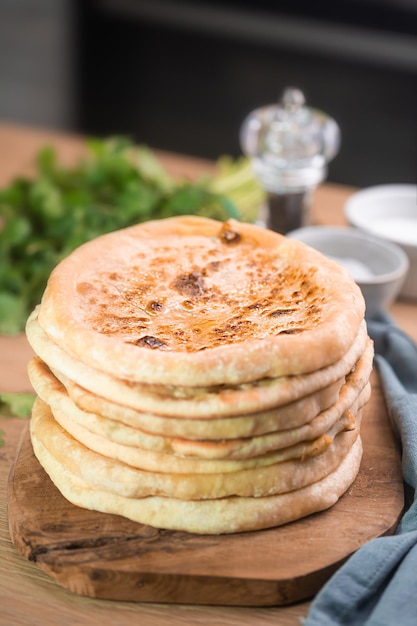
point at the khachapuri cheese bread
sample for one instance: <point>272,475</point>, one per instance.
<point>200,376</point>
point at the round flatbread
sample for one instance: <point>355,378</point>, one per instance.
<point>106,474</point>
<point>214,516</point>
<point>52,392</point>
<point>203,402</point>
<point>190,301</point>
<point>287,416</point>
<point>167,463</point>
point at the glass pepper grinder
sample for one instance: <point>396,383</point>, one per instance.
<point>290,145</point>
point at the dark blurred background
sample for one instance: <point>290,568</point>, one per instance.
<point>182,75</point>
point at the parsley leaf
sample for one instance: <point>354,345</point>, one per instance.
<point>16,404</point>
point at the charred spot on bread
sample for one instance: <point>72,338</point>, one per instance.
<point>191,284</point>
<point>148,341</point>
<point>228,235</point>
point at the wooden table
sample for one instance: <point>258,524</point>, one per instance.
<point>27,595</point>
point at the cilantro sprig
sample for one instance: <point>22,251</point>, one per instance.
<point>15,405</point>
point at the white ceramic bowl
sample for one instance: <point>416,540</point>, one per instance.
<point>389,212</point>
<point>377,266</point>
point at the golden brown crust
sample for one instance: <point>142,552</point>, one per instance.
<point>244,353</point>
<point>189,301</point>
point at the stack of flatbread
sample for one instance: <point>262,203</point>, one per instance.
<point>200,376</point>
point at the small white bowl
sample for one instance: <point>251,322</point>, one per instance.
<point>377,266</point>
<point>389,212</point>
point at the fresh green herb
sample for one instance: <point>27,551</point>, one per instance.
<point>16,404</point>
<point>235,181</point>
<point>116,185</point>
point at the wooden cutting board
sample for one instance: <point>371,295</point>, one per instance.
<point>107,556</point>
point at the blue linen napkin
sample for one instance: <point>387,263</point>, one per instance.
<point>377,586</point>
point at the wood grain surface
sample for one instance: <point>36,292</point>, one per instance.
<point>30,597</point>
<point>107,556</point>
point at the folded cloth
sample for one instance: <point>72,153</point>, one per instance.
<point>377,586</point>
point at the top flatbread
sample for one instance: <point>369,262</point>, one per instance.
<point>191,301</point>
